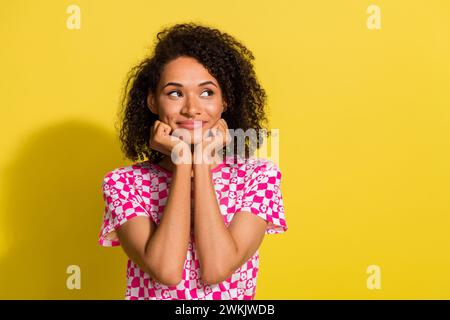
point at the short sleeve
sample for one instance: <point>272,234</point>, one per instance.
<point>122,203</point>
<point>262,196</point>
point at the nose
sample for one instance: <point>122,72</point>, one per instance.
<point>191,108</point>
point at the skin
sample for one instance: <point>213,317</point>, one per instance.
<point>161,250</point>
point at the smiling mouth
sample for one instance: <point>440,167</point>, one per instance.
<point>191,124</point>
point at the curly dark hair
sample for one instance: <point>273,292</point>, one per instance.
<point>225,58</point>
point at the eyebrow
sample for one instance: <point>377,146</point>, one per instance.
<point>180,85</point>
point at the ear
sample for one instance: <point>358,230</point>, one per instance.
<point>151,103</point>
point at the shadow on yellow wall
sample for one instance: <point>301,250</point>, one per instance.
<point>52,215</point>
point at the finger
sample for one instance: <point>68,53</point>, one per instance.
<point>167,128</point>
<point>218,132</point>
<point>163,124</point>
<point>218,125</point>
<point>212,130</point>
<point>155,126</point>
<point>217,122</point>
<point>164,129</point>
<point>222,128</point>
<point>228,137</point>
<point>225,123</point>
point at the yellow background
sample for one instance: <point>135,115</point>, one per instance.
<point>364,121</point>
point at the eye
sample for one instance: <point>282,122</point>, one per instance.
<point>174,91</point>
<point>210,91</point>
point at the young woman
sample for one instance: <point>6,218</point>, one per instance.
<point>192,228</point>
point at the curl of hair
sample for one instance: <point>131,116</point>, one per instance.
<point>225,58</point>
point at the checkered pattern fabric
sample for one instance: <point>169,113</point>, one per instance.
<point>251,185</point>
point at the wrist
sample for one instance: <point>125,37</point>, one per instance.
<point>202,167</point>
<point>187,167</point>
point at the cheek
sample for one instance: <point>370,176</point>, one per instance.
<point>167,105</point>
<point>214,109</point>
<point>167,113</point>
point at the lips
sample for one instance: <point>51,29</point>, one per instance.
<point>191,124</point>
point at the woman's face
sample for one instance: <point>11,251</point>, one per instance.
<point>187,92</point>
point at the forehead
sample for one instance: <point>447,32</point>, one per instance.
<point>185,69</point>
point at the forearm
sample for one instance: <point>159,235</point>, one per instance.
<point>216,248</point>
<point>166,250</point>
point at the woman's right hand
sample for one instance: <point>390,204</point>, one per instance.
<point>162,141</point>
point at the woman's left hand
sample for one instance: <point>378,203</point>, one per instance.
<point>218,137</point>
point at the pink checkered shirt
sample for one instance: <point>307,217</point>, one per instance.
<point>142,189</point>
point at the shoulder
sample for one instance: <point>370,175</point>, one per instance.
<point>254,166</point>
<point>261,165</point>
<point>127,174</point>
